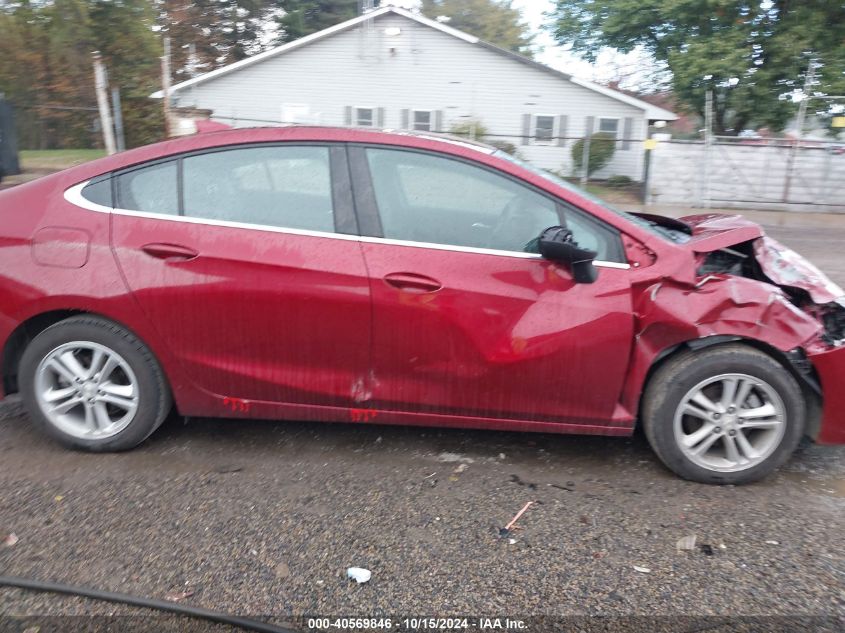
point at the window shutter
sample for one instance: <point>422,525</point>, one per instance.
<point>406,119</point>
<point>438,121</point>
<point>627,128</point>
<point>526,129</point>
<point>589,125</point>
<point>562,122</point>
<point>380,117</point>
<point>348,116</point>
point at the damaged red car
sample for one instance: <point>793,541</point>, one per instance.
<point>368,277</point>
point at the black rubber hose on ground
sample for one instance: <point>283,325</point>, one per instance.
<point>148,603</point>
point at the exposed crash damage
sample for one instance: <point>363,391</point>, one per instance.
<point>747,286</point>
<point>534,308</point>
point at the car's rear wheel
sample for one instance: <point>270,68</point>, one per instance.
<point>729,414</point>
<point>93,385</point>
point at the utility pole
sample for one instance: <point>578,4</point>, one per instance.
<point>165,85</point>
<point>585,152</point>
<point>192,70</point>
<point>118,119</point>
<point>100,84</point>
<point>708,145</point>
<point>799,132</point>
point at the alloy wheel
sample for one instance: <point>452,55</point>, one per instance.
<point>86,390</point>
<point>730,422</point>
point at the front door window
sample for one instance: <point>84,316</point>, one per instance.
<point>426,198</point>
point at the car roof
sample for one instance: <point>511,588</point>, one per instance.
<point>441,143</point>
<point>368,134</point>
<point>304,133</point>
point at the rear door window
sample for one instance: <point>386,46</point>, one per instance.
<point>288,187</point>
<point>151,189</point>
<point>276,186</point>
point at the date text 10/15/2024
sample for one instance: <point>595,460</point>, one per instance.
<point>416,624</point>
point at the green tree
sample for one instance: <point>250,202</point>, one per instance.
<point>602,146</point>
<point>68,78</point>
<point>750,53</point>
<point>22,46</point>
<point>303,17</point>
<point>123,33</point>
<point>213,32</point>
<point>495,21</point>
<point>42,50</point>
<point>46,68</point>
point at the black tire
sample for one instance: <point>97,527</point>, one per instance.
<point>675,378</point>
<point>154,398</point>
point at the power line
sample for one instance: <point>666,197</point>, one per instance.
<point>39,106</point>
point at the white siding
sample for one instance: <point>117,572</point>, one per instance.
<point>426,70</point>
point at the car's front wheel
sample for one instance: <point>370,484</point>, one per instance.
<point>93,385</point>
<point>729,414</point>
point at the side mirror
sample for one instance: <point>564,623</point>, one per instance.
<point>558,244</point>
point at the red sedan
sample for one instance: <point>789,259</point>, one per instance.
<point>368,277</point>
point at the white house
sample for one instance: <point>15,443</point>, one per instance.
<point>395,69</point>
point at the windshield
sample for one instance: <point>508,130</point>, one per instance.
<point>675,236</point>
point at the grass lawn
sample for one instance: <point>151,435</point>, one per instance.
<point>614,195</point>
<point>56,159</point>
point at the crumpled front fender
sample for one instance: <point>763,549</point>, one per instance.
<point>787,268</point>
<point>669,313</point>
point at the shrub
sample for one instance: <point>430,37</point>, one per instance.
<point>469,129</point>
<point>619,182</point>
<point>602,146</point>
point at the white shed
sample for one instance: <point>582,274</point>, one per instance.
<point>395,69</point>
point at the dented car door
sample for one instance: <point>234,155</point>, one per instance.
<point>467,320</point>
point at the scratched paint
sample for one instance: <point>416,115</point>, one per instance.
<point>236,405</point>
<point>362,415</point>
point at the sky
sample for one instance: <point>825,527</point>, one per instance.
<point>610,63</point>
<point>552,55</point>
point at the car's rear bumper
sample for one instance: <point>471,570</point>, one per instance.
<point>830,366</point>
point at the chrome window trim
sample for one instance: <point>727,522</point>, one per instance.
<point>73,195</point>
<point>618,265</point>
<point>447,247</point>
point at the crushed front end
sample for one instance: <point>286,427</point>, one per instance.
<point>821,358</point>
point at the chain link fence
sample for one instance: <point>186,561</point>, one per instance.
<point>749,173</point>
<point>727,172</point>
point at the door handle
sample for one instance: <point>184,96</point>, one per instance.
<point>411,282</point>
<point>170,252</point>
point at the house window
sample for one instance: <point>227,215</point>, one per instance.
<point>544,129</point>
<point>365,117</point>
<point>609,126</point>
<point>422,120</point>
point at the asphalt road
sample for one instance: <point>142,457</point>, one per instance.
<point>264,518</point>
